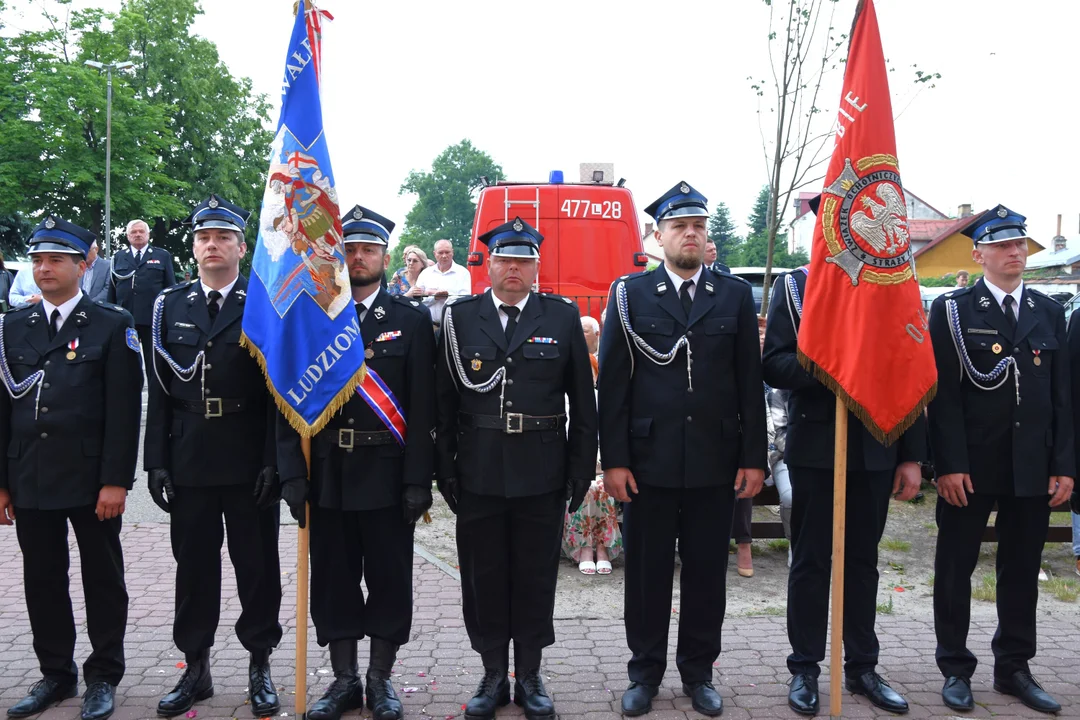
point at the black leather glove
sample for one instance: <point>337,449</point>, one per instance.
<point>267,488</point>
<point>575,492</point>
<point>415,501</point>
<point>161,487</point>
<point>1074,501</point>
<point>448,488</point>
<point>294,493</point>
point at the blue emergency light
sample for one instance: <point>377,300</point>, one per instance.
<point>556,177</point>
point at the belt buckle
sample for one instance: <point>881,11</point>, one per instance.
<point>346,438</point>
<point>511,419</point>
<point>211,412</point>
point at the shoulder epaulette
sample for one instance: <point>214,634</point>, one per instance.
<point>109,306</point>
<point>22,309</point>
<point>634,276</point>
<point>408,302</point>
<point>458,299</point>
<point>553,296</point>
<point>1040,293</point>
<point>178,286</point>
<point>956,293</point>
<point>729,276</point>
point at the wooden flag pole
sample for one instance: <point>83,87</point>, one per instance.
<point>839,531</point>
<point>302,595</point>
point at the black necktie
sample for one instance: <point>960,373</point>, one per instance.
<point>361,311</point>
<point>1010,316</point>
<point>212,306</point>
<point>684,297</point>
<point>54,323</point>
<point>138,256</point>
<point>511,319</point>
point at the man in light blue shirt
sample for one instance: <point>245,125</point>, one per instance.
<point>24,291</point>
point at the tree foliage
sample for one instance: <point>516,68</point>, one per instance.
<point>759,215</point>
<point>182,126</point>
<point>444,206</point>
<point>723,233</point>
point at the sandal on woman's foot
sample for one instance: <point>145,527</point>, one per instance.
<point>587,567</point>
<point>603,567</point>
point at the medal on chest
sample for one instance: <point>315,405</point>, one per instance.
<point>1037,360</point>
<point>75,343</point>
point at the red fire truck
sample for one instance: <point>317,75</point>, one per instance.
<point>590,231</point>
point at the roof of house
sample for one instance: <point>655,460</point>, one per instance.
<point>1053,258</point>
<point>948,229</point>
<point>927,230</point>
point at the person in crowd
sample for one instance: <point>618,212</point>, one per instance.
<point>1001,427</point>
<point>591,329</point>
<point>962,278</point>
<point>69,418</point>
<point>405,278</point>
<point>209,456</point>
<point>95,281</point>
<point>777,422</point>
<point>440,281</point>
<point>680,441</point>
<point>6,279</point>
<point>875,472</point>
<point>138,273</point>
<point>711,261</point>
<point>24,291</point>
<point>508,461</point>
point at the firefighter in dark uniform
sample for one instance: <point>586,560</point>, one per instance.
<point>69,419</point>
<point>507,461</point>
<point>370,483</point>
<point>682,434</point>
<point>209,452</point>
<point>875,472</point>
<point>138,273</point>
<point>1001,429</point>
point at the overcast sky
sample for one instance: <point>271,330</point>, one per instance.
<point>660,89</point>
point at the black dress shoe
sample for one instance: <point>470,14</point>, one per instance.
<point>98,701</point>
<point>957,693</point>
<point>195,684</point>
<point>803,695</point>
<point>704,698</point>
<point>1022,685</point>
<point>346,692</point>
<point>531,695</point>
<point>878,691</point>
<point>637,700</point>
<point>492,692</point>
<point>42,694</point>
<point>382,700</point>
<point>261,690</point>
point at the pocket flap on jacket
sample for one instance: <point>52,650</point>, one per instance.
<point>640,427</point>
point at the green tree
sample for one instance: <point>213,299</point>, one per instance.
<point>182,127</point>
<point>759,215</point>
<point>722,231</point>
<point>754,252</point>
<point>444,200</point>
<point>14,231</point>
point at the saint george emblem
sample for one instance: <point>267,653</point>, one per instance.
<point>476,365</point>
<point>379,313</point>
<point>518,226</point>
<point>1002,212</point>
<point>213,203</point>
<point>50,223</point>
<point>864,220</point>
<point>357,214</point>
<point>684,189</point>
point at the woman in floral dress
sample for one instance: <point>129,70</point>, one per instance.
<point>592,537</point>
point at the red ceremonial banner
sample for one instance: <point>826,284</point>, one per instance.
<point>863,331</point>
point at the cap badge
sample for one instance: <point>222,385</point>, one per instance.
<point>1002,213</point>
<point>357,214</point>
<point>476,365</point>
<point>684,189</point>
<point>518,226</point>
<point>213,203</point>
<point>50,223</point>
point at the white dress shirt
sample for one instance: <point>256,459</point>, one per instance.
<point>1000,294</point>
<point>224,291</point>
<point>677,282</point>
<point>365,304</point>
<point>455,281</point>
<point>65,308</point>
<point>503,317</point>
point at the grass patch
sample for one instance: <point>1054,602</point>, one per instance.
<point>930,581</point>
<point>895,544</point>
<point>885,608</point>
<point>897,567</point>
<point>775,610</point>
<point>780,545</point>
<point>987,589</point>
<point>1061,518</point>
<point>1062,588</point>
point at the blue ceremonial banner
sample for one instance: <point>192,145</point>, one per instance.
<point>299,320</point>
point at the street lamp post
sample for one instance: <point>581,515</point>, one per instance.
<point>108,68</point>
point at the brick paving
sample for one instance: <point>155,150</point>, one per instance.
<point>585,670</point>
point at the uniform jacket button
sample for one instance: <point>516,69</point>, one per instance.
<point>44,409</point>
<point>352,421</point>
<point>509,403</point>
<point>209,343</point>
<point>44,436</point>
<point>689,418</point>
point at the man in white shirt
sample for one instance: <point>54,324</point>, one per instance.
<point>441,280</point>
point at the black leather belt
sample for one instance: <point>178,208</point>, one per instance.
<point>348,439</point>
<point>213,407</point>
<point>511,423</point>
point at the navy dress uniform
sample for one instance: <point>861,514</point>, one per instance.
<point>505,460</point>
<point>69,420</point>
<point>209,451</point>
<point>370,483</point>
<point>136,278</point>
<point>1002,415</point>
<point>811,409</point>
<point>680,406</point>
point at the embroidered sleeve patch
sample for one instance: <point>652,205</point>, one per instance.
<point>133,339</point>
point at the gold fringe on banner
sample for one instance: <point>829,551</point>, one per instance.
<point>295,419</point>
<point>885,438</point>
